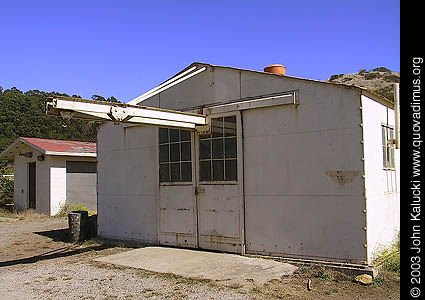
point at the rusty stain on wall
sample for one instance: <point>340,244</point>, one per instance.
<point>342,177</point>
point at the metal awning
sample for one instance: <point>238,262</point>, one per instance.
<point>68,108</point>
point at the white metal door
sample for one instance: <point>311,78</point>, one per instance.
<point>177,209</point>
<point>219,186</point>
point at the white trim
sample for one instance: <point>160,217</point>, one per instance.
<point>287,98</point>
<point>9,151</point>
<point>6,153</point>
<point>88,154</point>
<point>165,86</point>
<point>143,96</point>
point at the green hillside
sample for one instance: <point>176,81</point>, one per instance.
<point>23,114</point>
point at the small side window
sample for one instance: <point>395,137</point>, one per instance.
<point>388,147</point>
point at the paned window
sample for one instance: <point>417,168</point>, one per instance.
<point>388,147</point>
<point>175,155</point>
<point>218,151</point>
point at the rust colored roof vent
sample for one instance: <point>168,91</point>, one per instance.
<point>276,69</point>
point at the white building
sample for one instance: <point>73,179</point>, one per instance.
<point>293,167</point>
<point>50,173</point>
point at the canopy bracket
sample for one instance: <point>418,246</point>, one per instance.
<point>119,114</point>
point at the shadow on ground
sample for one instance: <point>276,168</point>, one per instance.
<point>57,253</point>
<point>59,235</point>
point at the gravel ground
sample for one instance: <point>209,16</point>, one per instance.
<point>37,262</point>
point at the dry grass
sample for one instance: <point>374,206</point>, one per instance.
<point>74,207</point>
<point>26,215</point>
<point>389,258</point>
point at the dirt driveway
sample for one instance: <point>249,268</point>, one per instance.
<point>37,262</point>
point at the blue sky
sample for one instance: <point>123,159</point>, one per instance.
<point>124,48</point>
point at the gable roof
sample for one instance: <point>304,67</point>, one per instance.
<point>51,147</point>
<point>191,70</point>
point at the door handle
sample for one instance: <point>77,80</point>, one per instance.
<point>199,190</point>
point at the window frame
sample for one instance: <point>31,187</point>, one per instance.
<point>169,162</point>
<point>388,165</point>
<point>211,159</point>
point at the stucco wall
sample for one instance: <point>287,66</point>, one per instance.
<point>21,179</point>
<point>57,189</point>
<point>382,200</point>
<point>127,184</point>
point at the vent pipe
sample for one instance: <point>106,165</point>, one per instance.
<point>275,69</point>
<point>397,114</point>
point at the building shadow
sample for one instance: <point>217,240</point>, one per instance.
<point>57,253</point>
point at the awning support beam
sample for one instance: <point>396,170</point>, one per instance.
<point>68,108</point>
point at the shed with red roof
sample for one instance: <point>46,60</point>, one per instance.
<point>52,173</point>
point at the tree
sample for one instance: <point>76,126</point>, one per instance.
<point>98,98</point>
<point>23,114</point>
<point>112,99</point>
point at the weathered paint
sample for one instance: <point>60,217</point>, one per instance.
<point>218,218</point>
<point>220,213</point>
<point>382,186</point>
<point>127,184</point>
<point>302,189</point>
<point>177,220</point>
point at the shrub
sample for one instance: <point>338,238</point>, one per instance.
<point>392,78</point>
<point>370,76</point>
<point>73,207</point>
<point>6,190</point>
<point>334,77</point>
<point>324,274</point>
<point>389,258</point>
<point>382,69</point>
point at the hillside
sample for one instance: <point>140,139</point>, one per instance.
<point>380,80</point>
<point>23,114</point>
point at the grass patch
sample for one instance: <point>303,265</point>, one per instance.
<point>25,215</point>
<point>378,281</point>
<point>74,207</point>
<point>389,258</point>
<point>331,291</point>
<point>323,273</point>
<point>256,289</point>
<point>91,243</point>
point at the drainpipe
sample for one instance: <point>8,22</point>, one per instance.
<point>397,114</point>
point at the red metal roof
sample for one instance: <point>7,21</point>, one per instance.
<point>61,145</point>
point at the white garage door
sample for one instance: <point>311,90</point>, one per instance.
<point>81,181</point>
